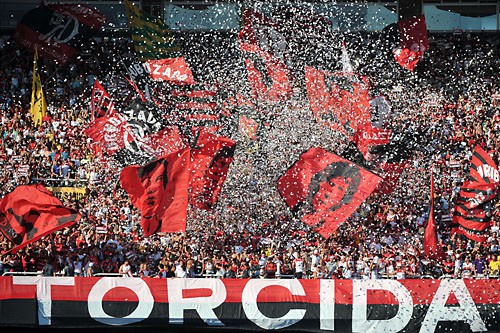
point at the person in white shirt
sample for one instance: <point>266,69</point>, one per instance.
<point>125,269</point>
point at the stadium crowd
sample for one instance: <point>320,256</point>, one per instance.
<point>453,105</point>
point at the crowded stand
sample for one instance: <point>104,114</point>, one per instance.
<point>446,107</point>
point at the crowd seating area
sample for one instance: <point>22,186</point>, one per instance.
<point>452,105</point>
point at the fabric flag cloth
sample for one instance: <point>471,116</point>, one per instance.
<point>160,191</point>
<point>338,100</point>
<point>199,107</point>
<point>210,160</point>
<point>412,40</point>
<point>30,212</point>
<point>129,139</point>
<point>38,106</point>
<point>266,56</point>
<point>101,103</point>
<point>323,189</point>
<point>431,244</point>
<point>473,209</point>
<point>155,45</point>
<point>58,30</point>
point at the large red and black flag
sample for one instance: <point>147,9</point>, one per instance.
<point>411,41</point>
<point>160,191</point>
<point>431,243</point>
<point>210,160</point>
<point>323,189</point>
<point>473,209</point>
<point>58,30</point>
<point>30,212</point>
<point>338,100</point>
<point>266,57</point>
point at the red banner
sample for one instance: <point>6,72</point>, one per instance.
<point>170,69</point>
<point>343,104</point>
<point>210,161</point>
<point>431,244</point>
<point>325,189</point>
<point>31,212</point>
<point>258,38</point>
<point>413,42</point>
<point>288,305</point>
<point>160,191</point>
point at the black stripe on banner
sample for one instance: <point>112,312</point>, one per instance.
<point>75,315</point>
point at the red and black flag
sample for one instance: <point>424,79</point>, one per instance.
<point>411,41</point>
<point>431,244</point>
<point>266,57</point>
<point>58,30</point>
<point>134,135</point>
<point>101,103</point>
<point>31,212</point>
<point>323,189</point>
<point>473,209</point>
<point>210,160</point>
<point>160,191</point>
<point>338,100</point>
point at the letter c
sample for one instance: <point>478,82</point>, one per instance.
<point>249,302</point>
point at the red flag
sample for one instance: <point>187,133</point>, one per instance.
<point>31,212</point>
<point>368,136</point>
<point>472,214</point>
<point>160,191</point>
<point>100,102</point>
<point>324,189</point>
<point>413,42</point>
<point>342,105</point>
<point>392,172</point>
<point>261,39</point>
<point>175,70</point>
<point>112,131</point>
<point>210,161</point>
<point>431,246</point>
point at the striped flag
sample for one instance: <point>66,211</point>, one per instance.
<point>38,106</point>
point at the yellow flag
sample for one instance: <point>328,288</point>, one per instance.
<point>152,38</point>
<point>38,107</point>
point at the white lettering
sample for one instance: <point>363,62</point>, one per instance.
<point>104,285</point>
<point>327,304</point>
<point>466,311</point>
<point>487,171</point>
<point>43,293</point>
<point>252,312</point>
<point>360,322</point>
<point>203,305</point>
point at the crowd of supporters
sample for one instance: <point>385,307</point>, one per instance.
<point>451,106</point>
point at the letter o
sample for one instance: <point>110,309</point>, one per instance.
<point>105,284</point>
